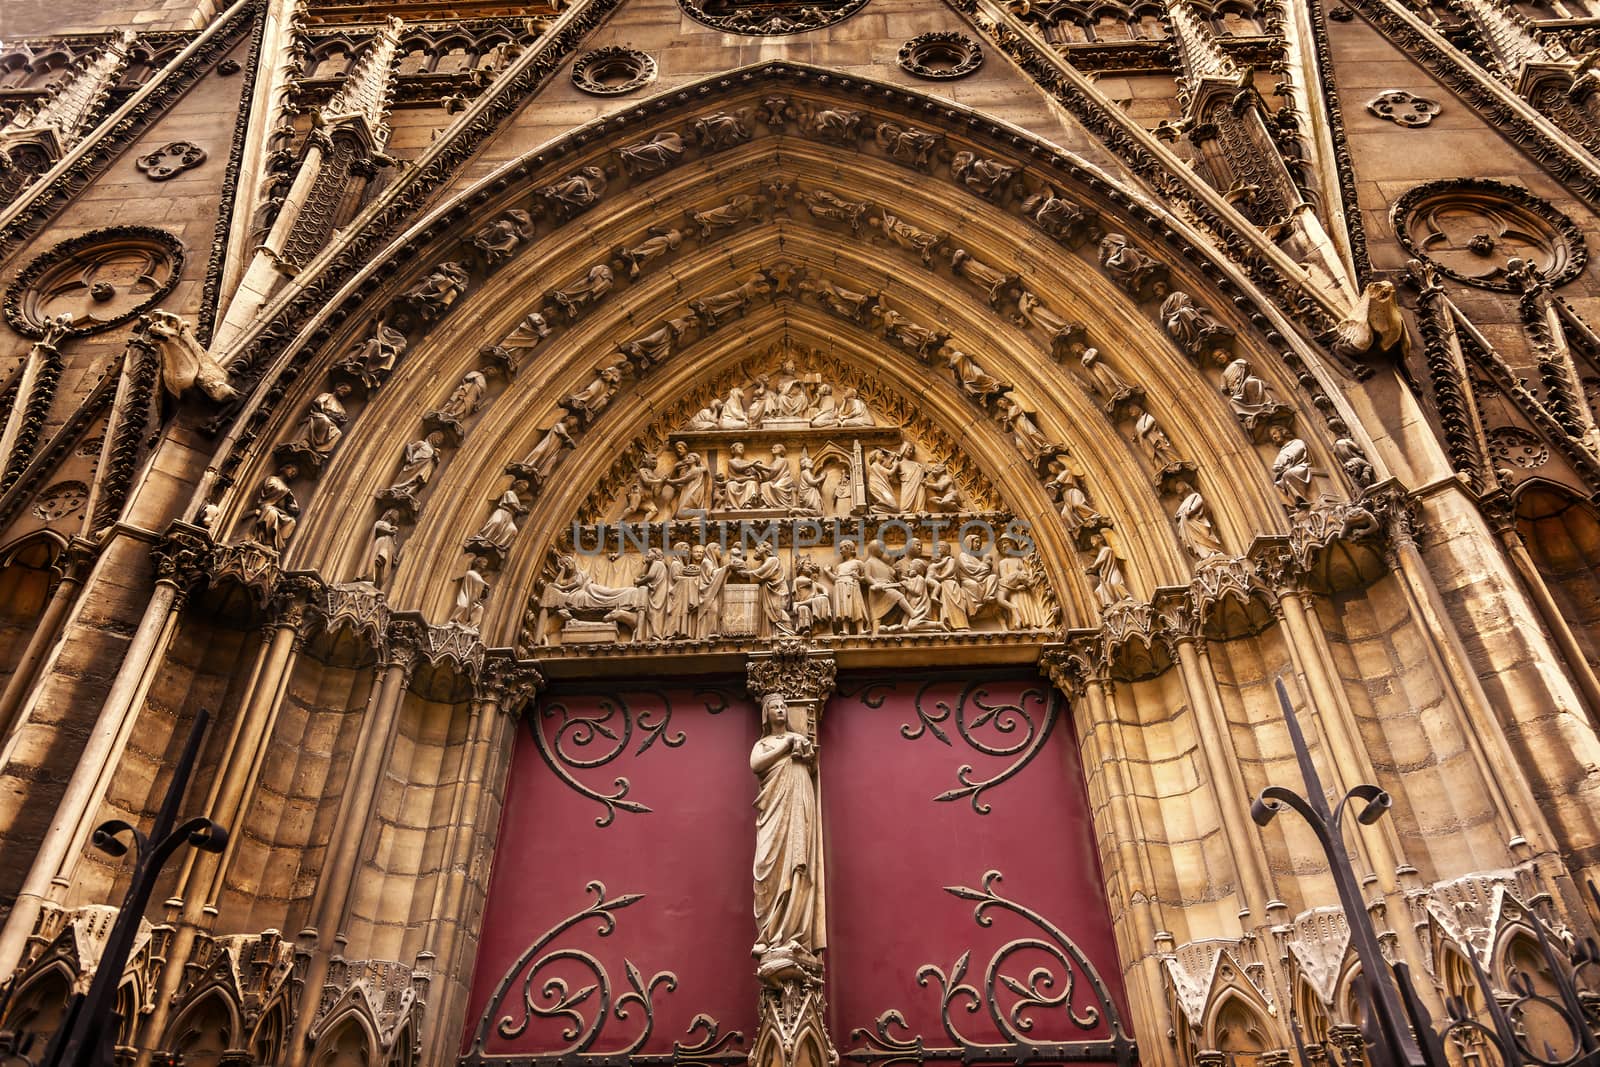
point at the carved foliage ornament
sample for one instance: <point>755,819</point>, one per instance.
<point>770,19</point>
<point>1403,107</point>
<point>1468,228</point>
<point>613,71</point>
<point>102,279</point>
<point>941,55</point>
<point>170,160</point>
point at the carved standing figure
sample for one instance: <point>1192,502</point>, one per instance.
<point>1154,439</point>
<point>788,832</point>
<point>1109,586</point>
<point>417,464</point>
<point>1291,469</point>
<point>500,528</point>
<point>324,423</point>
<point>1193,519</point>
<point>908,236</point>
<point>277,513</point>
<point>471,592</point>
<point>385,550</point>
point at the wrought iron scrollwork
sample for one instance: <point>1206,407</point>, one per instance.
<point>1023,729</point>
<point>610,729</point>
<point>1054,985</point>
<point>587,1009</point>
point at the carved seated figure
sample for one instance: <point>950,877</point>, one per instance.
<point>370,362</point>
<point>439,291</point>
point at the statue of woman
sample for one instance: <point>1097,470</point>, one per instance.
<point>787,837</point>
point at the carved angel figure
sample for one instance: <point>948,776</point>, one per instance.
<point>1193,519</point>
<point>658,243</point>
<point>788,844</point>
<point>591,287</point>
<point>1110,588</point>
<point>908,236</point>
<point>825,205</point>
<point>185,363</point>
<point>498,240</point>
<point>276,512</point>
<point>576,192</point>
<point>1374,330</point>
<point>739,209</point>
<point>435,294</point>
<point>988,178</point>
<point>651,157</point>
<point>907,143</point>
<point>1059,218</point>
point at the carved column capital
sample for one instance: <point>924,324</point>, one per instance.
<point>512,683</point>
<point>183,557</point>
<point>403,645</point>
<point>294,598</point>
<point>1075,663</point>
<point>793,670</point>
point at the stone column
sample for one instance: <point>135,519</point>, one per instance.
<point>79,558</point>
<point>332,897</point>
<point>180,561</point>
<point>792,1010</point>
<point>503,695</point>
<point>193,907</point>
<point>1078,670</point>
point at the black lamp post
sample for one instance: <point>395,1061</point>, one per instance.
<point>87,1029</point>
<point>1389,1039</point>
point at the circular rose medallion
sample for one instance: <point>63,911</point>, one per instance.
<point>102,279</point>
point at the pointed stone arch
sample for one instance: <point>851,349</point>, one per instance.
<point>890,165</point>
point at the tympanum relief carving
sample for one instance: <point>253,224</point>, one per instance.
<point>783,501</point>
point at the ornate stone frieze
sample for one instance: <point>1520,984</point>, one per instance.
<point>771,19</point>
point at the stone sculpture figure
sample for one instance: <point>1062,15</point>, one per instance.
<point>971,378</point>
<point>1076,511</point>
<point>436,293</point>
<point>573,593</point>
<point>1154,439</point>
<point>743,482</point>
<point>849,598</point>
<point>1194,327</point>
<point>576,192</point>
<point>1131,268</point>
<point>825,205</point>
<point>1248,394</point>
<point>1354,461</point>
<point>997,285</point>
<point>845,303</point>
<point>538,464</point>
<point>908,236</point>
<point>1106,571</point>
<point>833,124</point>
<point>739,209</point>
<point>921,341</point>
<point>777,489</point>
<point>788,845</point>
<point>472,590</point>
<point>592,399</point>
<point>464,400</point>
<point>813,608</point>
<point>683,591</point>
<point>1193,519</point>
<point>417,464</point>
<point>988,178</point>
<point>1112,387</point>
<point>499,240</point>
<point>940,489</point>
<point>658,242</point>
<point>1065,336</point>
<point>714,310</point>
<point>1374,331</point>
<point>772,600</point>
<point>713,576</point>
<point>371,361</point>
<point>654,584</point>
<point>500,528</point>
<point>185,363</point>
<point>907,143</point>
<point>810,487</point>
<point>528,333</point>
<point>324,423</point>
<point>1291,469</point>
<point>691,480</point>
<point>651,157</point>
<point>1024,431</point>
<point>1059,218</point>
<point>654,347</point>
<point>588,289</point>
<point>722,130</point>
<point>277,512</point>
<point>385,549</point>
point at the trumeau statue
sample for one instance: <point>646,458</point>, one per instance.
<point>787,869</point>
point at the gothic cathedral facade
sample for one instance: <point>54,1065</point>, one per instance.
<point>492,470</point>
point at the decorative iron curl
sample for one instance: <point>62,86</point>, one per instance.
<point>1011,720</point>
<point>556,999</point>
<point>616,722</point>
<point>1046,986</point>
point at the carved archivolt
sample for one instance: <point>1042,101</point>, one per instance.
<point>1470,228</point>
<point>103,278</point>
